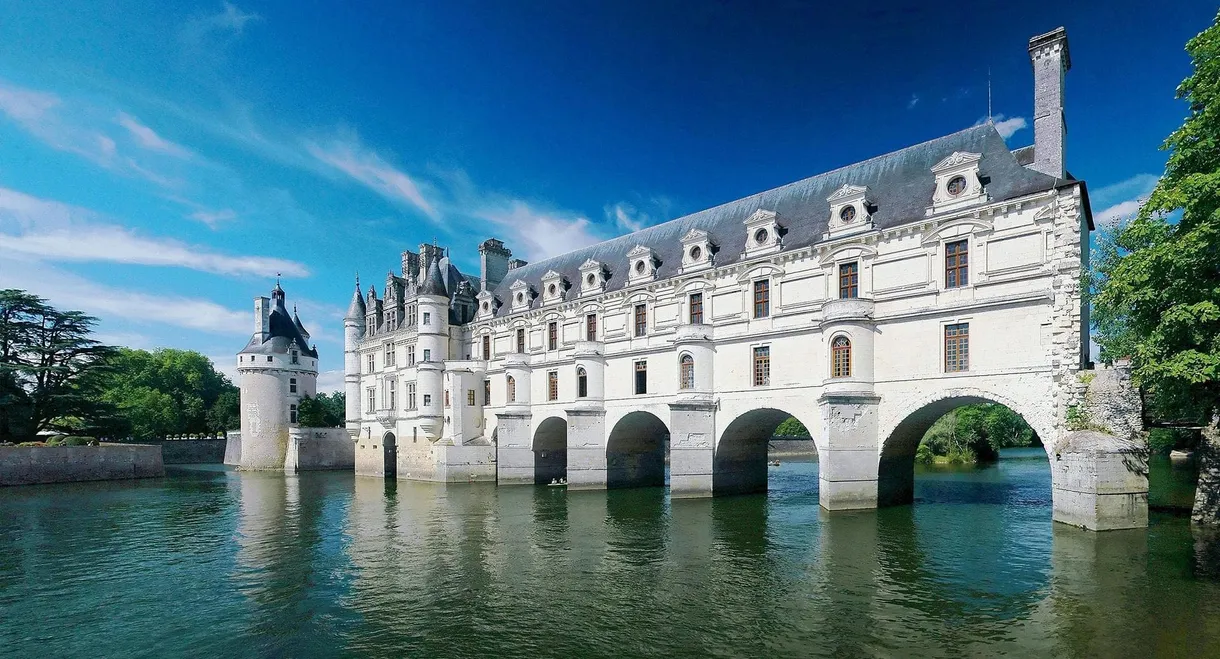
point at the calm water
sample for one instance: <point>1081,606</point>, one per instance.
<point>209,562</point>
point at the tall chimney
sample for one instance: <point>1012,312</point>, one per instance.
<point>262,317</point>
<point>1049,55</point>
<point>494,261</point>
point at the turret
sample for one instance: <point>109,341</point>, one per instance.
<point>433,349</point>
<point>353,331</point>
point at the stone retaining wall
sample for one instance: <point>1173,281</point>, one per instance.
<point>26,465</point>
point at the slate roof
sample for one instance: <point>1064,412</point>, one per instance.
<point>356,309</point>
<point>283,332</point>
<point>900,183</point>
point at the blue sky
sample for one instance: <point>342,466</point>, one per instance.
<point>161,162</point>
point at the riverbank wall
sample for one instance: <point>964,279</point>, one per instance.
<point>28,465</point>
<point>309,449</point>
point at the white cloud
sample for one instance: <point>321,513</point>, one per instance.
<point>913,102</point>
<point>68,291</point>
<point>229,22</point>
<point>627,218</point>
<point>330,381</point>
<point>213,218</point>
<point>539,234</point>
<point>149,139</point>
<point>1122,200</point>
<point>50,229</point>
<point>366,166</point>
<point>1005,126</point>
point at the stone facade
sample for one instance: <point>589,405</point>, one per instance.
<point>27,465</point>
<point>866,302</point>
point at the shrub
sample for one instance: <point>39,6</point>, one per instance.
<point>32,444</point>
<point>80,441</point>
<point>55,441</point>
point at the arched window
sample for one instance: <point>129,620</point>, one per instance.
<point>840,357</point>
<point>686,372</point>
<point>511,388</point>
<point>582,382</point>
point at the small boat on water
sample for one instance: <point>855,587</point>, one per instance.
<point>558,482</point>
<point>774,463</point>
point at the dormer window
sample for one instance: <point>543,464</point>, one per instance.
<point>643,264</point>
<point>958,182</point>
<point>296,357</point>
<point>763,233</point>
<point>847,214</point>
<point>522,295</point>
<point>592,277</point>
<point>554,287</point>
<point>850,211</point>
<point>697,250</point>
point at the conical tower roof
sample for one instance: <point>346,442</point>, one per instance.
<point>435,283</point>
<point>356,309</point>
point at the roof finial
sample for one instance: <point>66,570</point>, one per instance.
<point>357,278</point>
<point>989,94</point>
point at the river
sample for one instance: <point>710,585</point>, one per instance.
<point>212,562</point>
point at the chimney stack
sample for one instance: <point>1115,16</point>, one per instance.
<point>1049,55</point>
<point>262,318</point>
<point>494,263</point>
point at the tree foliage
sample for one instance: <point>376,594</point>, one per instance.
<point>1156,282</point>
<point>974,433</point>
<point>322,411</point>
<point>790,427</point>
<point>169,392</point>
<point>49,365</point>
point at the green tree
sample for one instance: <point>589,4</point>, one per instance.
<point>48,367</point>
<point>974,433</point>
<point>321,411</point>
<point>791,428</point>
<point>1156,282</point>
<point>169,392</point>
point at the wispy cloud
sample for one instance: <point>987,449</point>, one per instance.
<point>214,218</point>
<point>52,230</point>
<point>229,22</point>
<point>537,233</point>
<point>1005,126</point>
<point>1122,200</point>
<point>68,291</point>
<point>913,102</point>
<point>149,139</point>
<point>349,156</point>
<point>330,381</point>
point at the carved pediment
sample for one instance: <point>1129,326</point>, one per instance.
<point>590,264</point>
<point>761,216</point>
<point>519,285</point>
<point>639,250</point>
<point>957,159</point>
<point>848,191</point>
<point>695,236</point>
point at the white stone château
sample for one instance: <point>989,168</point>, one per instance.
<point>866,302</point>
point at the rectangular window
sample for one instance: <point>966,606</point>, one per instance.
<point>427,318</point>
<point>391,394</point>
<point>446,398</point>
<point>372,362</point>
<point>487,392</point>
<point>552,335</point>
<point>762,298</point>
<point>521,339</point>
<point>427,400</point>
<point>641,319</point>
<point>389,354</point>
<point>292,414</point>
<point>371,398</point>
<point>410,355</point>
<point>427,355</point>
<point>486,347</point>
<point>412,315</point>
<point>410,395</point>
<point>696,308</point>
<point>849,280</point>
<point>641,377</point>
<point>762,366</point>
<point>292,385</point>
<point>552,385</point>
<point>591,327</point>
<point>296,357</point>
<point>957,347</point>
<point>470,397</point>
<point>957,264</point>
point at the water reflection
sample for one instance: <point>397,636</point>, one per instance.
<point>220,563</point>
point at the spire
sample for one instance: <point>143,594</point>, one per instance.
<point>355,311</point>
<point>434,284</point>
<point>277,293</point>
<point>296,320</point>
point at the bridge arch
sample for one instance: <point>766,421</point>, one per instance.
<point>739,465</point>
<point>550,446</point>
<point>901,434</point>
<point>635,451</point>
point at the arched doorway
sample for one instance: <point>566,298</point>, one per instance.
<point>897,465</point>
<point>551,451</point>
<point>635,451</point>
<point>740,463</point>
<point>389,455</point>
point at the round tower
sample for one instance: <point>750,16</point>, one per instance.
<point>277,368</point>
<point>353,331</point>
<point>432,345</point>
